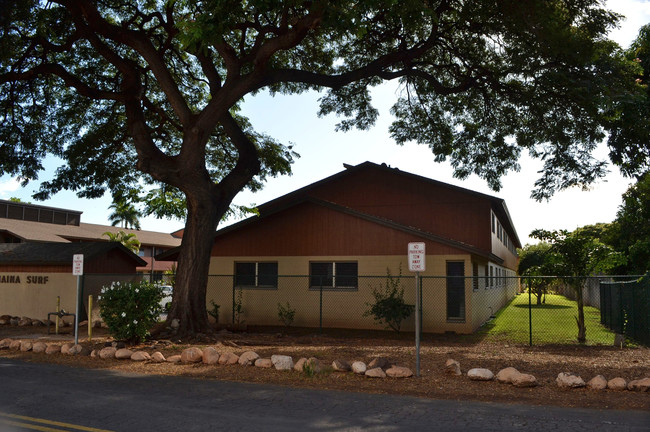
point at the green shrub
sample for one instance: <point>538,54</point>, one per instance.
<point>286,314</point>
<point>130,309</point>
<point>389,307</point>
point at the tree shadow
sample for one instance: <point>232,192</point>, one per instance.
<point>543,306</point>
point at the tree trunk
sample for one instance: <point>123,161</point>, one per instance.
<point>189,303</point>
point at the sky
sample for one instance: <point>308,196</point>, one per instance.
<point>293,120</point>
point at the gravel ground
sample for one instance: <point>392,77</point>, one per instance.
<point>544,362</point>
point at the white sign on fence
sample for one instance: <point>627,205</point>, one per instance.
<point>416,254</point>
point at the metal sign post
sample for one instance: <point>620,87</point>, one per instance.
<point>77,270</point>
<point>416,255</point>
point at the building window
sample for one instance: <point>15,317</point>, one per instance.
<point>256,274</point>
<point>455,290</point>
<point>333,275</point>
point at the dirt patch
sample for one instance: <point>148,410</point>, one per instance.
<point>543,362</point>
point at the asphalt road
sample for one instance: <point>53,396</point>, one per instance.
<point>54,398</point>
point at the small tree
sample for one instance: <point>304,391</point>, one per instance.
<point>533,263</point>
<point>286,314</point>
<point>573,256</point>
<point>389,307</point>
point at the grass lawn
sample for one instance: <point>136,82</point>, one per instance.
<point>553,322</point>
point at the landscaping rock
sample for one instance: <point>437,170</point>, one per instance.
<point>123,354</point>
<point>569,380</point>
<point>157,357</point>
<point>248,358</point>
<point>39,347</point>
<point>379,362</point>
<point>617,384</point>
<point>399,372</point>
<point>228,358</point>
<point>15,345</point>
<point>480,374</point>
<point>452,367</point>
<point>107,352</point>
<point>52,349</point>
<point>264,363</point>
<point>375,373</point>
<point>79,350</point>
<point>210,356</point>
<point>359,367</point>
<point>26,346</point>
<point>174,359</point>
<point>24,322</point>
<point>5,343</point>
<point>37,323</point>
<point>65,348</point>
<point>282,362</point>
<point>641,385</point>
<point>140,356</point>
<point>299,364</point>
<point>192,355</point>
<point>507,375</point>
<point>598,382</point>
<point>524,380</point>
<point>341,366</point>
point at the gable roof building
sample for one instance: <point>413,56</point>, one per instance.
<point>359,222</point>
<point>30,223</point>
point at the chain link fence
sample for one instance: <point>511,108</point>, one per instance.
<point>537,311</point>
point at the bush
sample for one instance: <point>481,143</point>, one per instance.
<point>389,307</point>
<point>130,309</point>
<point>214,313</point>
<point>286,314</point>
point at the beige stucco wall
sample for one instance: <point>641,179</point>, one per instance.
<point>344,308</point>
<point>35,298</point>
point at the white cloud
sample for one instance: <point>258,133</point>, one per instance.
<point>637,14</point>
<point>7,187</point>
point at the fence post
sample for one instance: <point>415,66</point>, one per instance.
<point>320,313</point>
<point>530,317</point>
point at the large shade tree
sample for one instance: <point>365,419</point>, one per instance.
<point>128,92</point>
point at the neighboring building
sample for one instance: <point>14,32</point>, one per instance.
<point>33,275</point>
<point>26,223</point>
<point>357,223</point>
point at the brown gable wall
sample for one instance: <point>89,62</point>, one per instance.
<point>312,230</point>
<point>444,211</point>
<point>114,261</point>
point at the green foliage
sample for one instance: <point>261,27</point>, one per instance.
<point>129,241</point>
<point>533,264</point>
<point>309,369</point>
<point>573,256</point>
<point>631,229</point>
<point>124,214</point>
<point>214,312</point>
<point>286,314</point>
<point>130,309</point>
<point>389,307</point>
